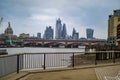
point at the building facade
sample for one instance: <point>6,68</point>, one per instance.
<point>8,36</point>
<point>64,32</point>
<point>112,27</point>
<point>8,30</point>
<point>75,35</point>
<point>23,35</point>
<point>38,35</point>
<point>58,29</point>
<point>118,33</point>
<point>89,33</point>
<point>48,34</point>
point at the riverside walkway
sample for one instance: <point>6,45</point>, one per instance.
<point>97,72</point>
<point>87,65</point>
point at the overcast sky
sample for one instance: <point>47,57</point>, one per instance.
<point>32,16</point>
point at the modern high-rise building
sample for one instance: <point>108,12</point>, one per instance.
<point>64,32</point>
<point>61,31</point>
<point>58,29</point>
<point>89,33</point>
<point>75,35</point>
<point>112,27</point>
<point>48,34</point>
<point>38,35</point>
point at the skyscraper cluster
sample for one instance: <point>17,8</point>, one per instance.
<point>61,31</point>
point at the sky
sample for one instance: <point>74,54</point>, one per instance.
<point>32,16</point>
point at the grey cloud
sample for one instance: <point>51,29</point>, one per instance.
<point>75,13</point>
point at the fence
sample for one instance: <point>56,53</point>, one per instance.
<point>14,63</point>
<point>10,64</point>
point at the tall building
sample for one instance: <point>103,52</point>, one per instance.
<point>112,27</point>
<point>75,35</point>
<point>58,29</point>
<point>73,32</point>
<point>118,32</point>
<point>38,35</point>
<point>89,33</point>
<point>64,32</point>
<point>48,34</point>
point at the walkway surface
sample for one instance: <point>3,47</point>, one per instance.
<point>111,71</point>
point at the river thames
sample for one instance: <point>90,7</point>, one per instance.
<point>42,50</point>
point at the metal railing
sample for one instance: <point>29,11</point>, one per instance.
<point>17,62</point>
<point>10,64</point>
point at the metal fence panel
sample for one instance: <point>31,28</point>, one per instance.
<point>8,65</point>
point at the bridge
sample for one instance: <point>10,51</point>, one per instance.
<point>62,43</point>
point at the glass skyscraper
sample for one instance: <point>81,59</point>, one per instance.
<point>48,34</point>
<point>58,29</point>
<point>39,35</point>
<point>61,31</point>
<point>75,35</point>
<point>64,31</point>
<point>89,33</point>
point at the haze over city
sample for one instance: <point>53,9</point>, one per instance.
<point>28,16</point>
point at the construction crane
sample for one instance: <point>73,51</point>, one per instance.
<point>1,21</point>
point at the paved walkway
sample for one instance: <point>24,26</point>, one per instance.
<point>98,70</point>
<point>112,71</point>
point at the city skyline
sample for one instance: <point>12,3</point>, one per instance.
<point>33,16</point>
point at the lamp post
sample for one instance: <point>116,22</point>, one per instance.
<point>1,21</point>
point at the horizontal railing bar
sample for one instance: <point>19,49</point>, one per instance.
<point>58,53</point>
<point>100,51</point>
<point>71,52</point>
<point>8,55</point>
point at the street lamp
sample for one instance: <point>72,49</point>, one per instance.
<point>1,21</point>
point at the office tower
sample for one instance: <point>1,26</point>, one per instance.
<point>38,35</point>
<point>112,27</point>
<point>58,29</point>
<point>73,32</point>
<point>48,34</point>
<point>89,33</point>
<point>64,32</point>
<point>75,35</point>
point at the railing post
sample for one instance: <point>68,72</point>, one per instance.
<point>73,63</point>
<point>18,56</point>
<point>96,58</point>
<point>44,67</point>
<point>113,57</point>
